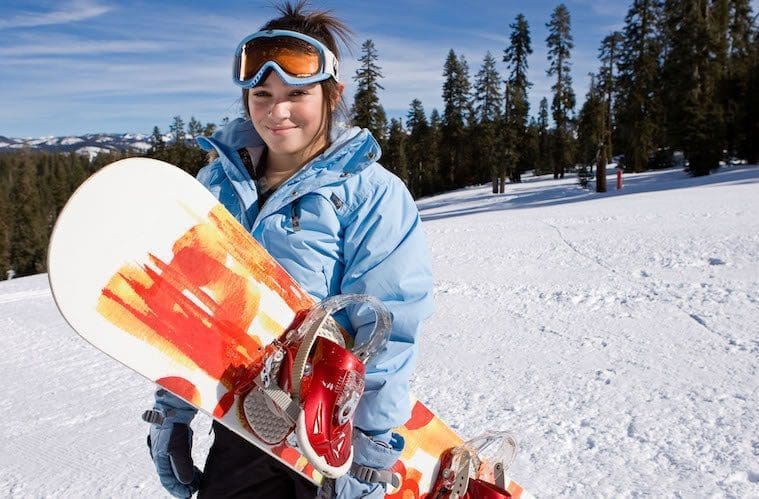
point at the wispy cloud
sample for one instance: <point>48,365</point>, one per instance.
<point>72,78</point>
<point>606,8</point>
<point>73,11</point>
<point>53,47</point>
<point>500,39</point>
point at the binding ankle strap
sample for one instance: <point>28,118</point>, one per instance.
<point>373,475</point>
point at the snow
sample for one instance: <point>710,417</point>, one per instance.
<point>91,151</point>
<point>134,136</point>
<point>70,140</point>
<point>39,141</point>
<point>89,145</point>
<point>614,334</point>
<point>141,146</point>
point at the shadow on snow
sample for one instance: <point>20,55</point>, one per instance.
<point>536,192</point>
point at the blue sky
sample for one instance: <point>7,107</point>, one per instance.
<point>70,67</point>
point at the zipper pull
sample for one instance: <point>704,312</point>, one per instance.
<point>294,216</point>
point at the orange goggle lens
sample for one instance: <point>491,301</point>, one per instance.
<point>296,57</point>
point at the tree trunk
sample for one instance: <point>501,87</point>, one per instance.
<point>601,170</point>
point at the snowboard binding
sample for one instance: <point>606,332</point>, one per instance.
<point>477,469</point>
<point>310,384</point>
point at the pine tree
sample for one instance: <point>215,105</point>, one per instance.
<point>590,134</point>
<point>608,54</point>
<point>456,90</point>
<point>590,124</point>
<point>487,115</point>
<point>638,113</point>
<point>367,111</point>
<point>44,166</point>
<point>487,92</point>
<point>545,155</point>
<point>419,152</point>
<point>750,146</point>
<point>531,151</point>
<point>177,130</point>
<point>4,232</point>
<point>436,122</point>
<point>209,129</point>
<point>104,159</point>
<point>76,171</point>
<point>27,245</point>
<point>515,57</point>
<point>59,187</point>
<point>737,79</point>
<point>190,159</point>
<point>156,141</point>
<point>473,170</point>
<point>692,73</point>
<point>434,181</point>
<point>194,128</point>
<point>45,182</point>
<point>507,145</point>
<point>394,155</point>
<point>559,42</point>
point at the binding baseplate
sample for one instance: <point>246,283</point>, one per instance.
<point>310,384</point>
<point>477,469</point>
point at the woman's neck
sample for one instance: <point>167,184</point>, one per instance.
<point>280,167</point>
<point>277,171</point>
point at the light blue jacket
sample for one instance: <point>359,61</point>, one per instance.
<point>342,224</point>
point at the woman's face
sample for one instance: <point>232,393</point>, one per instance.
<point>288,118</point>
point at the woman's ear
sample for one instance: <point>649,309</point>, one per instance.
<point>245,103</point>
<point>339,89</point>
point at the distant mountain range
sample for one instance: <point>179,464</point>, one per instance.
<point>88,145</point>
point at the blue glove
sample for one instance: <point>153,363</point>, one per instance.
<point>370,454</point>
<point>170,444</point>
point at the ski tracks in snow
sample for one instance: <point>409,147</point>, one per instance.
<point>24,295</point>
<point>71,425</point>
<point>618,346</point>
<point>684,438</point>
<point>653,286</point>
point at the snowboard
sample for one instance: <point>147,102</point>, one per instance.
<point>147,266</point>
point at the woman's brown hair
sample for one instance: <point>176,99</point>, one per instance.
<point>325,27</point>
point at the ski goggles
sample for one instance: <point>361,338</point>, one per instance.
<point>297,58</point>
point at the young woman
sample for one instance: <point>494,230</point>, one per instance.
<point>312,193</point>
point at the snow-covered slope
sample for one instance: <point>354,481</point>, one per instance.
<point>614,334</point>
<point>87,145</point>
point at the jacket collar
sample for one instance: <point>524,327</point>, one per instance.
<point>352,149</point>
